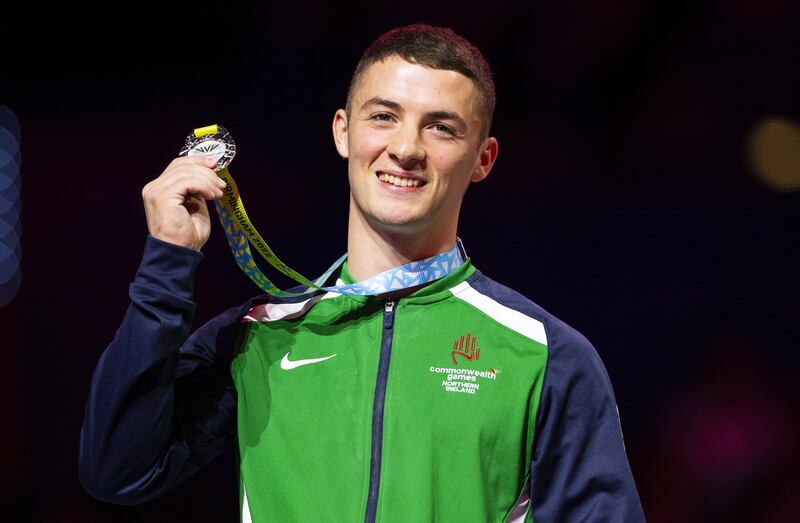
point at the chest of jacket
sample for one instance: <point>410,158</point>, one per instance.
<point>399,405</point>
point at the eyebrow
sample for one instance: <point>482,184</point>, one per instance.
<point>377,100</point>
<point>436,115</point>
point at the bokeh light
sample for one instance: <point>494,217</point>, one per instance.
<point>774,150</point>
<point>10,225</point>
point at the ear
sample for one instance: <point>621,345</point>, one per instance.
<point>340,133</point>
<point>485,160</point>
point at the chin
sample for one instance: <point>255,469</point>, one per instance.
<point>398,224</point>
<point>396,215</point>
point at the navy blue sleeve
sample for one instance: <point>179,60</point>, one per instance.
<point>160,405</point>
<point>580,471</point>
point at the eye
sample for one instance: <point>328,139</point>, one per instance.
<point>442,128</point>
<point>381,117</point>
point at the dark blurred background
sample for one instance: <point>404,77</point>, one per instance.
<point>646,192</point>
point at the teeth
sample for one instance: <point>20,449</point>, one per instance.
<point>398,181</point>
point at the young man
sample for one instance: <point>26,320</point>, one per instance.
<point>458,400</point>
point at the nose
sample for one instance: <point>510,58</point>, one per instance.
<point>405,147</point>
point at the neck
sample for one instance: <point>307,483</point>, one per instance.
<point>371,251</point>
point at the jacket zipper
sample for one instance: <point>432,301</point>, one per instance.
<point>377,411</point>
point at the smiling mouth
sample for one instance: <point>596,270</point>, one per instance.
<point>399,181</point>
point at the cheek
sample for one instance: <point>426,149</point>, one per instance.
<point>366,146</point>
<point>457,167</point>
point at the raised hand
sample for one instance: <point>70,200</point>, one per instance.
<point>175,202</point>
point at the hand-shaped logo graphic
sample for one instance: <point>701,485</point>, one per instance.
<point>460,348</point>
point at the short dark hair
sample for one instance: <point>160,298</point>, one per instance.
<point>438,48</point>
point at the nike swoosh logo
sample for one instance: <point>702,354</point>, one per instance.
<point>289,365</point>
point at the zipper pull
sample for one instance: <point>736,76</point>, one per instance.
<point>388,315</point>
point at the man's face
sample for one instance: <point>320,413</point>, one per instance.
<point>413,146</point>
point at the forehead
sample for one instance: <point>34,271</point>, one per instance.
<point>415,86</point>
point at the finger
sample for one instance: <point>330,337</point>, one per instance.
<point>185,186</point>
<point>184,170</point>
<point>202,159</point>
<point>207,170</point>
<point>195,159</point>
<point>200,173</point>
<point>203,162</point>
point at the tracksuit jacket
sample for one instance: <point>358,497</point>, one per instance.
<point>463,401</point>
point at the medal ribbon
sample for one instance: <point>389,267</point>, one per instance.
<point>240,234</point>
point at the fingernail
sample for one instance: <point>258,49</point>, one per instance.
<point>210,160</point>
